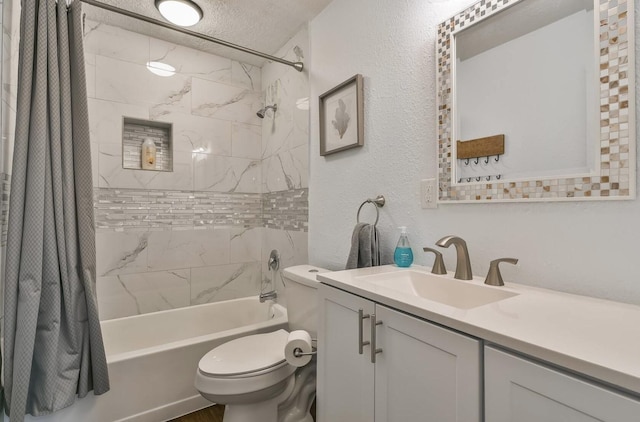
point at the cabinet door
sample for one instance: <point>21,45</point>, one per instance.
<point>425,372</point>
<point>345,377</point>
<point>519,390</point>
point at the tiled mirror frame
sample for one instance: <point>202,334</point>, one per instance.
<point>616,178</point>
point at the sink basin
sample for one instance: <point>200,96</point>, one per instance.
<point>448,291</point>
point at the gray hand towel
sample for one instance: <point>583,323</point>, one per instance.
<point>365,247</point>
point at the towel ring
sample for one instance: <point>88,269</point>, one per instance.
<point>378,202</point>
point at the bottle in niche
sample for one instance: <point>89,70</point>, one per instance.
<point>403,255</point>
<point>148,154</point>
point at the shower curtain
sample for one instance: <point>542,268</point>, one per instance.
<point>53,343</point>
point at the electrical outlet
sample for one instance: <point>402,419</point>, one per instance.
<point>429,193</point>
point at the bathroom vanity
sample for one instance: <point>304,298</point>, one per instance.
<point>398,344</point>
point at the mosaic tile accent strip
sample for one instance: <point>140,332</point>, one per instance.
<point>119,209</point>
<point>236,210</point>
<point>5,179</point>
<point>286,210</point>
<point>617,139</point>
<point>135,132</point>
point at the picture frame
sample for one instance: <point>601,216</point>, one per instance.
<point>342,116</point>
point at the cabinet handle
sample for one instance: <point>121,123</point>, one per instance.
<point>374,351</point>
<point>361,343</point>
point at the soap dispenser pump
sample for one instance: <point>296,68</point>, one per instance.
<point>403,255</point>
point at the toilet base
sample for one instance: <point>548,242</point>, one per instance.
<point>292,405</point>
<point>297,406</point>
<point>264,411</point>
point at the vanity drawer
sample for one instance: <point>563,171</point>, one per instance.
<point>517,389</point>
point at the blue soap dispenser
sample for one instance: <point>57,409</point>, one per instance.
<point>403,256</point>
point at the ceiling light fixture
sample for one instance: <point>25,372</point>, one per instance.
<point>180,12</point>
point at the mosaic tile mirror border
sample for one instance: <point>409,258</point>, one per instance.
<point>617,116</point>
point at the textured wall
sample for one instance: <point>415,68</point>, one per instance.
<point>585,248</point>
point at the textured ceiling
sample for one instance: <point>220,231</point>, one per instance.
<point>262,25</point>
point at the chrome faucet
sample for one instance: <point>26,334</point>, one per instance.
<point>463,265</point>
<point>272,295</point>
<point>273,264</point>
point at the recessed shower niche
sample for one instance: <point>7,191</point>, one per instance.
<point>135,132</point>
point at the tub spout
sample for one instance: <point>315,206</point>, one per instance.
<point>272,295</point>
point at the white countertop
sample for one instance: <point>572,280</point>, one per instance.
<point>594,337</point>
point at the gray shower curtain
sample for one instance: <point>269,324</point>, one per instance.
<point>53,342</point>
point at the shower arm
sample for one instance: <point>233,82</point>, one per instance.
<point>299,66</point>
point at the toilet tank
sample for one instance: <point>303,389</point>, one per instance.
<point>302,297</point>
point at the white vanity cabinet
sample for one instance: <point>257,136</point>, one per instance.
<point>423,372</point>
<point>517,389</point>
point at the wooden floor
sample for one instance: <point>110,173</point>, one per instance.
<point>215,414</point>
<point>208,414</point>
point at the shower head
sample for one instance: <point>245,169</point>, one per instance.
<point>263,111</point>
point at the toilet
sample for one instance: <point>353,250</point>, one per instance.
<point>250,374</point>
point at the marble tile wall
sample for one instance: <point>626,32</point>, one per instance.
<point>5,188</point>
<point>285,136</point>
<point>142,271</point>
<point>136,276</point>
<point>9,38</point>
<point>211,101</point>
<point>285,161</point>
<point>293,250</point>
<point>197,234</point>
<point>10,49</point>
<point>192,235</point>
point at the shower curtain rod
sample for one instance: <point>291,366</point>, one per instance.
<point>299,66</point>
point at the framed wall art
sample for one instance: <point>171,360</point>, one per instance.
<point>342,116</point>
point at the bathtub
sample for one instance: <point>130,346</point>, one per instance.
<point>153,358</point>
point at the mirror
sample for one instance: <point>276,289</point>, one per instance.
<point>530,71</point>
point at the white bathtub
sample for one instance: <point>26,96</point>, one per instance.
<point>153,358</point>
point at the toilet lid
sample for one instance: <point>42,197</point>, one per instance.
<point>246,354</point>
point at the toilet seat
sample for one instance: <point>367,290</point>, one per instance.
<point>244,368</point>
<point>248,356</point>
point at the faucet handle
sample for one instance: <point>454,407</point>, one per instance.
<point>438,264</point>
<point>494,278</point>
